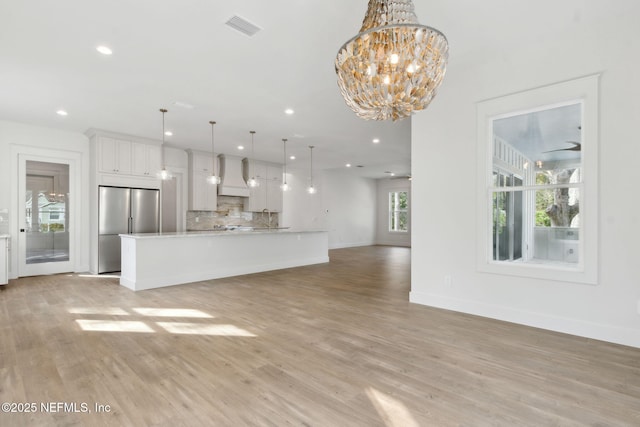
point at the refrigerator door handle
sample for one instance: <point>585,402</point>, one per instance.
<point>130,225</point>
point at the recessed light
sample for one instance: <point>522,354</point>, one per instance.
<point>104,50</point>
<point>240,147</point>
<point>62,113</point>
<point>348,165</point>
<point>292,157</point>
<point>289,111</point>
<point>376,140</point>
<point>168,133</point>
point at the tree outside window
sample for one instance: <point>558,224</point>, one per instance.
<point>398,211</point>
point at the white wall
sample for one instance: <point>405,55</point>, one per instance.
<point>344,205</point>
<point>18,134</point>
<point>443,243</point>
<point>383,235</point>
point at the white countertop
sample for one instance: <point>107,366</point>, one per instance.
<point>4,236</point>
<point>216,233</point>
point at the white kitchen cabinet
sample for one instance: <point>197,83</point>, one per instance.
<point>4,259</point>
<point>268,194</point>
<point>274,192</point>
<point>274,195</point>
<point>203,163</point>
<point>124,157</point>
<point>257,200</point>
<point>202,195</point>
<point>255,169</point>
<point>114,155</point>
<point>146,159</point>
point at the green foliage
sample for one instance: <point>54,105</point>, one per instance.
<point>398,211</point>
<point>544,199</point>
<point>56,227</point>
<point>542,219</point>
<point>403,203</point>
<point>44,228</point>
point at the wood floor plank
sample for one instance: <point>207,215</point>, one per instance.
<point>335,344</point>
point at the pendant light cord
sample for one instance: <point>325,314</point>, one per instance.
<point>284,145</point>
<point>213,162</point>
<point>311,165</point>
<point>163,111</point>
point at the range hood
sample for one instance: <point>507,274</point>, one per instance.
<point>231,180</point>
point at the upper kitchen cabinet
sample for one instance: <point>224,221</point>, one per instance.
<point>203,196</point>
<point>114,155</point>
<point>267,195</point>
<point>124,156</point>
<point>274,192</point>
<point>146,159</point>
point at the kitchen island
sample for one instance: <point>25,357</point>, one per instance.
<point>156,260</point>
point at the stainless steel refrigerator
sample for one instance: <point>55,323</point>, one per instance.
<point>123,211</point>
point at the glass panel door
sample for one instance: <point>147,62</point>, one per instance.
<point>44,232</point>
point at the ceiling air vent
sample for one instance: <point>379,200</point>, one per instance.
<point>243,26</point>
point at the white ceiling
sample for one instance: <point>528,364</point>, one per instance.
<point>168,50</point>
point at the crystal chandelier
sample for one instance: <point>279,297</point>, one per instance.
<point>163,174</point>
<point>394,65</point>
<point>213,179</point>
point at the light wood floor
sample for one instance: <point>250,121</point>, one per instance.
<point>328,345</point>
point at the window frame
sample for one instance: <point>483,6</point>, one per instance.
<point>393,212</point>
<point>582,90</point>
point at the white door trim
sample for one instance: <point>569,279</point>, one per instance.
<point>19,155</point>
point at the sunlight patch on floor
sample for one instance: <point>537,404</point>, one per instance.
<point>147,325</point>
<point>393,412</point>
<point>204,329</point>
<point>109,311</point>
<point>172,312</point>
<point>113,326</point>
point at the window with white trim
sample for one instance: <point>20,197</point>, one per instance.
<point>537,175</point>
<point>399,211</point>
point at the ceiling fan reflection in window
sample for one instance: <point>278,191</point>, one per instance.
<point>392,175</point>
<point>576,147</point>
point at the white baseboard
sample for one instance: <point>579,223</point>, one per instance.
<point>350,245</point>
<point>581,328</point>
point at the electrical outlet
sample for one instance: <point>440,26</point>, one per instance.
<point>447,280</point>
<point>197,219</point>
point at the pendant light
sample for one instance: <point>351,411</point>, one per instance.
<point>394,65</point>
<point>284,186</point>
<point>163,174</point>
<point>213,179</point>
<point>253,182</point>
<point>311,189</point>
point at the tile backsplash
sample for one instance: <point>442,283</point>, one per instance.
<point>229,212</point>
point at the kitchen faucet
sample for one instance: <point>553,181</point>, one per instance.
<point>269,216</point>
